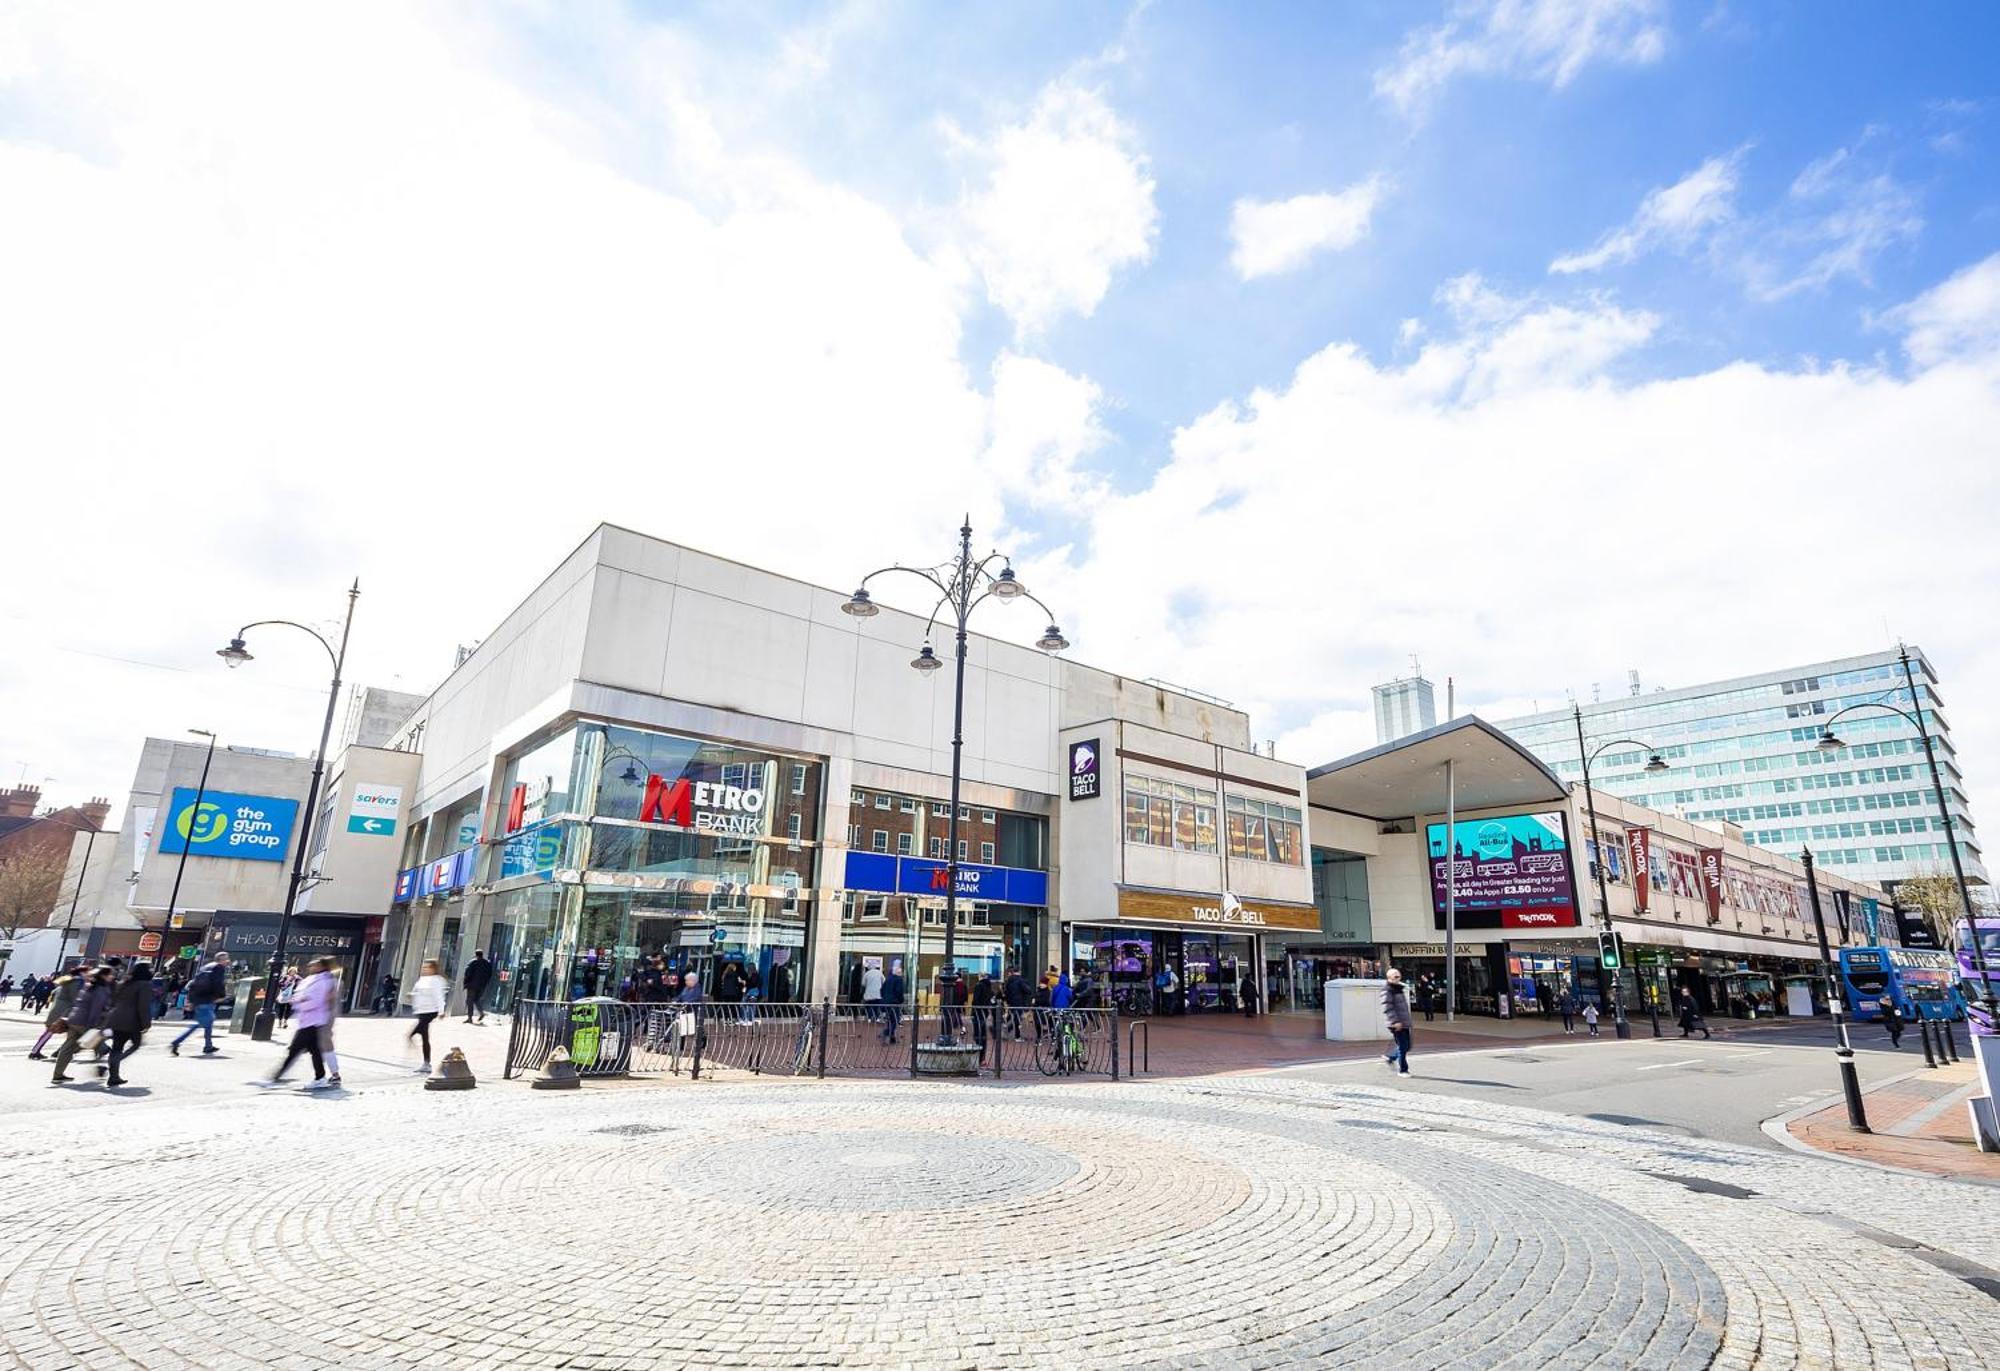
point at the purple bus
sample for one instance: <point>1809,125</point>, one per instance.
<point>1969,985</point>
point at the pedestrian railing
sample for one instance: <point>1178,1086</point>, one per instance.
<point>606,1037</point>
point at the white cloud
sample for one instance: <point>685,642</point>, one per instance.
<point>1957,318</point>
<point>1505,505</point>
<point>1044,425</point>
<point>1540,40</point>
<point>1274,236</point>
<point>1066,202</point>
<point>1838,217</point>
<point>1672,216</point>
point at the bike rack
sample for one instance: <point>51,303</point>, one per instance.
<point>1132,1057</point>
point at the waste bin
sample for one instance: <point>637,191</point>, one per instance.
<point>600,1036</point>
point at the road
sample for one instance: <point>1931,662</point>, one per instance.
<point>1722,1088</point>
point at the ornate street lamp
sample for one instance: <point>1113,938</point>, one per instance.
<point>236,654</point>
<point>1654,762</point>
<point>963,584</point>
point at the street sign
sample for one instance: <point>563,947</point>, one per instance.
<point>374,809</point>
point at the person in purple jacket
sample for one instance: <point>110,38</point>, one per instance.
<point>312,1011</point>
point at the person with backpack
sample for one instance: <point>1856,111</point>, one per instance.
<point>208,988</point>
<point>85,1018</point>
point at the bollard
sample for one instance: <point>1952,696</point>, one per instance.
<point>558,1072</point>
<point>453,1073</point>
<point>1950,1038</point>
<point>1924,1027</point>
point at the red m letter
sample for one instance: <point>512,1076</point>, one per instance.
<point>667,804</point>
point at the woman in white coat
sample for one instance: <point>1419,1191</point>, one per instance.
<point>427,1000</point>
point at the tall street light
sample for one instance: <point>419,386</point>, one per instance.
<point>1828,742</point>
<point>1843,1050</point>
<point>1654,762</point>
<point>193,823</point>
<point>963,584</point>
<point>236,654</point>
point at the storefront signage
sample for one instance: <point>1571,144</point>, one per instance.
<point>1511,871</point>
<point>925,876</point>
<point>531,852</point>
<point>1163,906</point>
<point>260,938</point>
<point>374,809</point>
<point>254,827</point>
<point>1642,867</point>
<point>702,805</point>
<point>406,885</point>
<point>1084,770</point>
<point>1711,881</point>
<point>150,942</point>
<point>1463,948</point>
<point>447,873</point>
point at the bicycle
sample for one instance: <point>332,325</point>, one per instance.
<point>802,1055</point>
<point>1062,1051</point>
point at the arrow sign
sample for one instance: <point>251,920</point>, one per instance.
<point>359,823</point>
<point>374,809</point>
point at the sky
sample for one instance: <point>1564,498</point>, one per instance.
<point>1538,341</point>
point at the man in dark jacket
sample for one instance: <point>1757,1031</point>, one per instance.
<point>892,1002</point>
<point>130,1016</point>
<point>86,1016</point>
<point>1396,1013</point>
<point>208,989</point>
<point>1018,996</point>
<point>478,975</point>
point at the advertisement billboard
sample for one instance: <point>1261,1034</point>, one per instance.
<point>256,828</point>
<point>1512,871</point>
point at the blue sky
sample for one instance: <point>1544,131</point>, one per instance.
<point>1541,339</point>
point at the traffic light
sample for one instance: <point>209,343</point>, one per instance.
<point>1610,954</point>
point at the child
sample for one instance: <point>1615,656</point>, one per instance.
<point>1590,1018</point>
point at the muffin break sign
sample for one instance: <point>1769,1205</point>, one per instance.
<point>1512,871</point>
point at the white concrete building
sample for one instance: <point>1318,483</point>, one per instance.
<point>662,751</point>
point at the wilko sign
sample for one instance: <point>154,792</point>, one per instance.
<point>1711,881</point>
<point>702,806</point>
<point>1085,770</point>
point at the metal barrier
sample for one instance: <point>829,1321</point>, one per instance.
<point>1132,1057</point>
<point>612,1038</point>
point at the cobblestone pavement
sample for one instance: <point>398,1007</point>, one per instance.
<point>1239,1222</point>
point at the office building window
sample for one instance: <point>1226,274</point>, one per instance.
<point>1167,814</point>
<point>937,846</point>
<point>1265,831</point>
<point>909,805</point>
<point>798,778</point>
<point>882,801</point>
<point>940,809</point>
<point>986,853</point>
<point>905,843</point>
<point>881,842</point>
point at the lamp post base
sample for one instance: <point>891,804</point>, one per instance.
<point>948,1059</point>
<point>1623,1028</point>
<point>261,1025</point>
<point>1850,1086</point>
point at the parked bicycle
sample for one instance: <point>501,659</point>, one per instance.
<point>1063,1050</point>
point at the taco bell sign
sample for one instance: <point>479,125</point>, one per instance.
<point>1084,770</point>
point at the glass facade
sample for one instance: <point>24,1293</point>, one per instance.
<point>701,853</point>
<point>1163,972</point>
<point>1746,752</point>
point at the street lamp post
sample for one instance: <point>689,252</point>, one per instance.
<point>1654,762</point>
<point>962,584</point>
<point>235,655</point>
<point>1828,742</point>
<point>194,820</point>
<point>1843,1050</point>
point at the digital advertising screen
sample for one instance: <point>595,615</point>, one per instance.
<point>1512,871</point>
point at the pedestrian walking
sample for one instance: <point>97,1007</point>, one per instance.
<point>205,990</point>
<point>131,1014</point>
<point>478,975</point>
<point>85,1018</point>
<point>1396,1014</point>
<point>1690,1017</point>
<point>288,986</point>
<point>1568,1000</point>
<point>1590,1017</point>
<point>892,1002</point>
<point>60,997</point>
<point>313,1003</point>
<point>983,1015</point>
<point>871,993</point>
<point>427,1001</point>
<point>1426,999</point>
<point>1892,1019</point>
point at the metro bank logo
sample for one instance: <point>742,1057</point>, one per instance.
<point>701,805</point>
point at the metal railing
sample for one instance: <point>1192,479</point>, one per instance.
<point>613,1038</point>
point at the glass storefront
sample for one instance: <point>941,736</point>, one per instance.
<point>1163,971</point>
<point>893,933</point>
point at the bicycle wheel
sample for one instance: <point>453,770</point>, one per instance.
<point>1048,1052</point>
<point>1073,1059</point>
<point>804,1053</point>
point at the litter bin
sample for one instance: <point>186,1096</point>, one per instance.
<point>600,1036</point>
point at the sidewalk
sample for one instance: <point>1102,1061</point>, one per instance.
<point>1919,1120</point>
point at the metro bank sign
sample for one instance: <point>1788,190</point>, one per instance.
<point>702,806</point>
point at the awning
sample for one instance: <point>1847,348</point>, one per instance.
<point>1405,778</point>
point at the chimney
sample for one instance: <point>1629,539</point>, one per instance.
<point>95,812</point>
<point>18,802</point>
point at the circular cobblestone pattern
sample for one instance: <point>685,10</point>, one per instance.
<point>1239,1225</point>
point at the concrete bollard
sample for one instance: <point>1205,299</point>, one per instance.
<point>453,1073</point>
<point>558,1072</point>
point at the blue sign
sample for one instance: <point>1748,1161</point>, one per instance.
<point>256,828</point>
<point>406,884</point>
<point>447,873</point>
<point>874,871</point>
<point>532,851</point>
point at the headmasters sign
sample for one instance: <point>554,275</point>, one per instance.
<point>256,828</point>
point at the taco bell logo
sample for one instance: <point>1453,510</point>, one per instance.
<point>1083,772</point>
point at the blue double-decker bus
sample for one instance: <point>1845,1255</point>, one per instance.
<point>1921,982</point>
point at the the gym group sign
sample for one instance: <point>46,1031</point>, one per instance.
<point>703,806</point>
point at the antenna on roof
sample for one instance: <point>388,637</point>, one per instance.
<point>1634,675</point>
